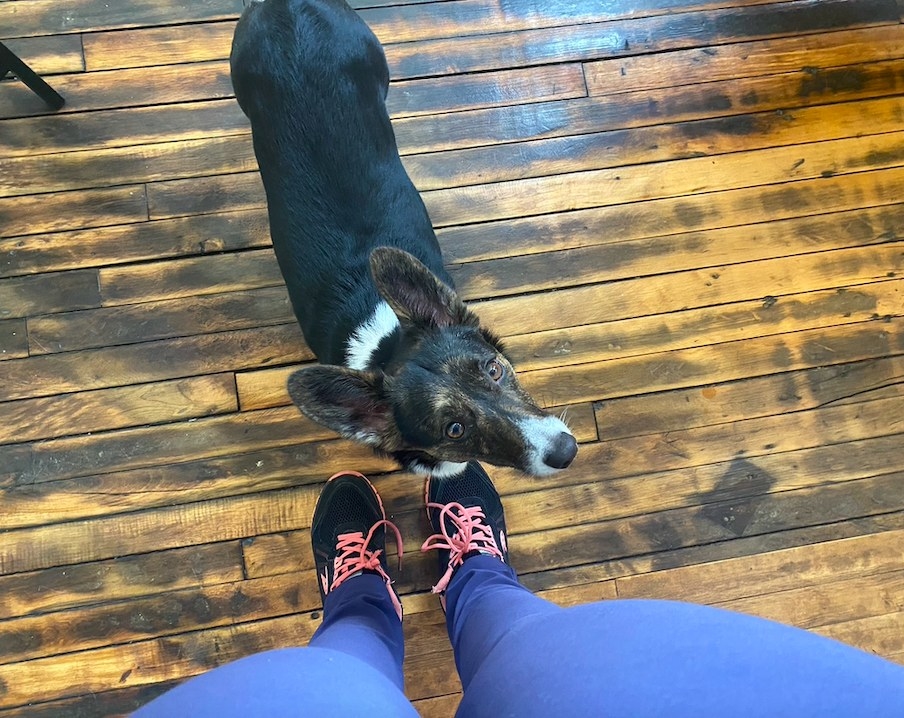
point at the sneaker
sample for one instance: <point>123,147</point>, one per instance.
<point>466,514</point>
<point>348,534</point>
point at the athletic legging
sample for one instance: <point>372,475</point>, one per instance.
<point>521,656</point>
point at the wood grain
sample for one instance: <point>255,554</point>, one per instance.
<point>682,216</point>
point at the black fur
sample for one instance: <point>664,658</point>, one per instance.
<point>312,78</point>
<point>350,231</point>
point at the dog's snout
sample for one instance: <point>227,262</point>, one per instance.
<point>563,451</point>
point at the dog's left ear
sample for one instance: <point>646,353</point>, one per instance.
<point>348,401</point>
<point>415,293</point>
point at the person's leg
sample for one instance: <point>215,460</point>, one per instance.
<point>360,620</point>
<point>519,655</point>
<point>353,664</point>
<point>467,515</point>
<point>647,659</point>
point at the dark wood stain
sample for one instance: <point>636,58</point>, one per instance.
<point>706,274</point>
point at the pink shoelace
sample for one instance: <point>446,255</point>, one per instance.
<point>353,556</point>
<point>471,534</point>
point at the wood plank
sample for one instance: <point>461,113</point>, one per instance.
<point>53,17</point>
<point>148,321</point>
<point>13,339</point>
<point>106,704</point>
<point>596,188</point>
<point>711,365</point>
<point>201,234</point>
<point>122,127</point>
<point>123,578</point>
<point>117,88</point>
<point>152,361</point>
<point>725,98</point>
<point>489,89</point>
<point>46,293</point>
<point>133,165</point>
<point>762,57</point>
<point>712,476</point>
<point>615,148</point>
<point>829,603</point>
<point>535,42</point>
<point>882,635</point>
<point>249,473</point>
<point>581,305</point>
<point>763,396</point>
<point>771,572</point>
<point>168,444</point>
<point>653,218</point>
<point>264,388</point>
<point>681,252</point>
<point>88,412</point>
<point>734,322</point>
<point>51,54</point>
<point>145,662</point>
<point>71,210</point>
<point>190,524</point>
<point>719,478</point>
<point>677,528</point>
<point>674,292</point>
<point>165,614</point>
<point>209,274</point>
<point>438,706</point>
<point>145,47</point>
<point>733,548</point>
<point>428,675</point>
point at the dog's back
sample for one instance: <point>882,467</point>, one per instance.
<point>312,78</point>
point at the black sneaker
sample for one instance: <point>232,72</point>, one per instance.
<point>348,534</point>
<point>466,514</point>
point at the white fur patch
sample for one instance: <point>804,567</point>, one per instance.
<point>443,470</point>
<point>367,337</point>
<point>539,436</point>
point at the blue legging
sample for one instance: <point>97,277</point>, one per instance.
<point>518,655</point>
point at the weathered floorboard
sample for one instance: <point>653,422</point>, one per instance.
<point>682,216</point>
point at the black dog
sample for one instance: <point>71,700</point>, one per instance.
<point>406,367</point>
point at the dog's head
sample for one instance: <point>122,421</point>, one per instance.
<point>448,395</point>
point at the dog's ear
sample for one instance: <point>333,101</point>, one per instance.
<point>347,401</point>
<point>415,293</point>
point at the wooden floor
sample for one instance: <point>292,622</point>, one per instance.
<point>685,218</point>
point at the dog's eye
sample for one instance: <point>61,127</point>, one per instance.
<point>495,370</point>
<point>455,430</point>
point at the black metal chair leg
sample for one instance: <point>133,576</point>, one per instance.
<point>9,62</point>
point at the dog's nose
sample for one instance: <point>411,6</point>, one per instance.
<point>563,451</point>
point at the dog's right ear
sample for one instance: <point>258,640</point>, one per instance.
<point>348,401</point>
<point>415,293</point>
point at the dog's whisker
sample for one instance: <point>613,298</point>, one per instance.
<point>563,417</point>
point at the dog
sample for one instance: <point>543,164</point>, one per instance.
<point>404,366</point>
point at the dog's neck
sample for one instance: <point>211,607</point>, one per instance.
<point>417,462</point>
<point>366,339</point>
